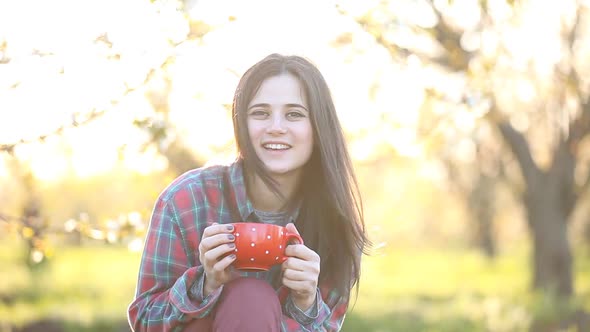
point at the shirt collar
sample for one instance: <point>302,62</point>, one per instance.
<point>245,206</point>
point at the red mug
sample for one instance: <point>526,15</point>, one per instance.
<point>260,246</point>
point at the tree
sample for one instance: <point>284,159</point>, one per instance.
<point>107,49</point>
<point>539,105</point>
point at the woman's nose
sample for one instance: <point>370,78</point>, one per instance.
<point>277,124</point>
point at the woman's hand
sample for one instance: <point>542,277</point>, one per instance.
<point>216,242</point>
<point>301,272</point>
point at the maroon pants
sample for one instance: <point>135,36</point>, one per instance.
<point>245,305</point>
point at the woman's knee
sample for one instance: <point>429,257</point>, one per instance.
<point>248,304</point>
<point>246,288</point>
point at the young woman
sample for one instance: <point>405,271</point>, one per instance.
<point>293,170</point>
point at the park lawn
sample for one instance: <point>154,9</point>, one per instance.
<point>90,287</point>
<point>453,290</point>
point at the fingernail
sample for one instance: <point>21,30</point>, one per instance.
<point>232,256</point>
<point>232,245</point>
<point>230,227</point>
<point>231,237</point>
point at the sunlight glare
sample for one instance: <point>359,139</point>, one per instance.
<point>404,140</point>
<point>538,36</point>
<point>83,73</point>
<point>75,74</point>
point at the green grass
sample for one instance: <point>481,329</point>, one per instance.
<point>89,289</point>
<point>434,290</point>
<point>83,285</point>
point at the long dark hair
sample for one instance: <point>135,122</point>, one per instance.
<point>330,218</point>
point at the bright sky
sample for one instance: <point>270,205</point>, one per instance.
<point>37,98</point>
<point>38,94</point>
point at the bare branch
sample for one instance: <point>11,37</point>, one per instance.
<point>396,52</point>
<point>580,127</point>
<point>450,39</point>
<point>518,144</point>
<point>8,218</point>
<point>81,119</point>
<point>512,184</point>
<point>585,186</point>
<point>77,120</point>
<point>574,30</point>
<point>3,58</point>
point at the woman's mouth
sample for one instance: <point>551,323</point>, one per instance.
<point>276,146</point>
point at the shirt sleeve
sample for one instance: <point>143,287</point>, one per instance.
<point>303,317</point>
<point>163,299</point>
<point>196,291</point>
<point>331,310</point>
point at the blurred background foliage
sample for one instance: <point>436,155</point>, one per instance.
<point>468,122</point>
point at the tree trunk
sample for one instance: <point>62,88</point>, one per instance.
<point>552,258</point>
<point>482,208</point>
<point>549,200</point>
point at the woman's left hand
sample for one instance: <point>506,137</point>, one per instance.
<point>301,272</point>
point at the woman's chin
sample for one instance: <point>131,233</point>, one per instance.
<point>278,171</point>
<point>281,171</point>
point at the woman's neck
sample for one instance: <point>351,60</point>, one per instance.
<point>264,199</point>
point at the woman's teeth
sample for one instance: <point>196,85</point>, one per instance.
<point>276,146</point>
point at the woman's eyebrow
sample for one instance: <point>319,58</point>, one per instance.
<point>297,105</point>
<point>261,105</point>
<point>266,105</point>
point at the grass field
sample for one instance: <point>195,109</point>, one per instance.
<point>88,289</point>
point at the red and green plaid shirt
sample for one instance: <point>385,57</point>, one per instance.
<point>170,269</point>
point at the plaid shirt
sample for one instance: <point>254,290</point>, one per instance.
<point>169,287</point>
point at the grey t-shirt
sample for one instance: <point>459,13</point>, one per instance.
<point>280,218</point>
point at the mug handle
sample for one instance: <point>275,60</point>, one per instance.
<point>288,237</point>
<point>293,236</point>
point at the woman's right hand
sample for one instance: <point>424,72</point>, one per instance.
<point>216,255</point>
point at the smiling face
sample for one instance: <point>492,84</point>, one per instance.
<point>279,126</point>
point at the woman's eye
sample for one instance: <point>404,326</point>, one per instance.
<point>295,114</point>
<point>258,113</point>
